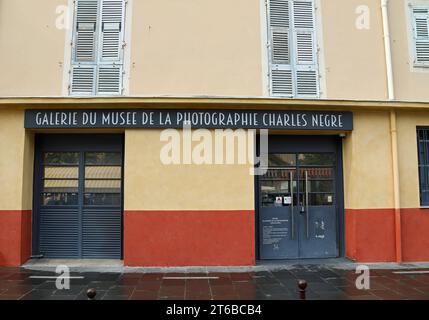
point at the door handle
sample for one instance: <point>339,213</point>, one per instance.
<point>306,206</point>
<point>292,215</point>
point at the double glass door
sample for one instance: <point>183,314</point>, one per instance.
<point>297,206</point>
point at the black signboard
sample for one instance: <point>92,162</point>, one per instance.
<point>219,119</point>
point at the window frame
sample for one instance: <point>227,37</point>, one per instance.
<point>420,166</point>
<point>412,6</point>
<point>294,67</point>
<point>99,62</point>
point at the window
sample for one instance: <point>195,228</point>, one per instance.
<point>423,158</point>
<point>292,48</point>
<point>420,19</point>
<point>97,48</point>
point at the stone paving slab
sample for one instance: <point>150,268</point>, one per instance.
<point>325,282</point>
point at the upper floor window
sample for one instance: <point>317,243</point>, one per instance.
<point>97,48</point>
<point>292,49</point>
<point>420,19</point>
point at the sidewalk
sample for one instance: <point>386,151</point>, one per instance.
<point>336,281</point>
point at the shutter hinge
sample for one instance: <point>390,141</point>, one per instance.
<point>124,44</point>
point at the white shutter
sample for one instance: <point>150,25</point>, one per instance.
<point>112,23</point>
<point>421,36</point>
<point>83,80</point>
<point>280,59</point>
<point>109,80</point>
<point>84,58</point>
<point>293,61</point>
<point>111,47</point>
<point>306,76</point>
<point>98,47</point>
<point>85,32</point>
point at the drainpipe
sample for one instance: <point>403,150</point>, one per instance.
<point>393,132</point>
<point>387,50</point>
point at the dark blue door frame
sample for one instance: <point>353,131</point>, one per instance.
<point>307,144</point>
<point>71,143</point>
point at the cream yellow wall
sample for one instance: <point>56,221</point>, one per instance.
<point>354,58</point>
<point>407,123</point>
<point>152,185</point>
<point>31,48</point>
<point>410,83</point>
<point>196,47</point>
<point>368,178</point>
<point>16,162</point>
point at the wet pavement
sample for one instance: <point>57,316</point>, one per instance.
<point>323,284</point>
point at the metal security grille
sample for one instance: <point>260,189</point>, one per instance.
<point>78,207</point>
<point>423,155</point>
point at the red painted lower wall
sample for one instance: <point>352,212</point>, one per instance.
<point>370,234</point>
<point>15,237</point>
<point>189,238</point>
<point>415,234</point>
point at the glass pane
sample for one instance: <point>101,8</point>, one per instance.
<point>277,186</point>
<point>103,186</point>
<point>317,159</point>
<point>100,158</point>
<point>62,172</point>
<point>281,160</point>
<point>282,174</point>
<point>61,158</point>
<point>317,173</point>
<point>103,172</point>
<point>318,186</point>
<point>59,199</point>
<point>60,186</point>
<point>277,193</point>
<point>102,199</point>
<point>320,199</point>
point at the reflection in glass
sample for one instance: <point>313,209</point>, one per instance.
<point>103,158</point>
<point>103,186</point>
<point>317,186</point>
<point>317,159</point>
<point>103,172</point>
<point>59,199</point>
<point>281,160</point>
<point>317,173</point>
<point>321,199</point>
<point>282,174</point>
<point>61,172</point>
<point>60,185</point>
<point>61,158</point>
<point>102,199</point>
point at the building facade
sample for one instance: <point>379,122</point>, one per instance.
<point>115,119</point>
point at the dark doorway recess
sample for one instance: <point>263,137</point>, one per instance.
<point>299,199</point>
<point>78,196</point>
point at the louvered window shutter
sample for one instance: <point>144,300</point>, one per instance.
<point>293,62</point>
<point>111,51</point>
<point>280,58</point>
<point>97,64</point>
<point>421,36</point>
<point>83,70</point>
